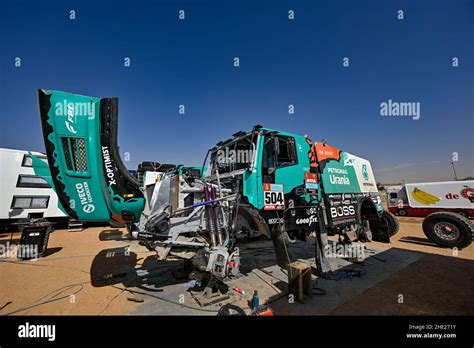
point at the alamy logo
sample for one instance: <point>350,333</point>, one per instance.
<point>392,108</point>
<point>72,110</point>
<point>37,331</point>
<point>231,156</point>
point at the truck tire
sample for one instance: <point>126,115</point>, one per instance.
<point>383,227</point>
<point>448,229</point>
<point>391,222</point>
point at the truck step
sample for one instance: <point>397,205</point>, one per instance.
<point>75,226</point>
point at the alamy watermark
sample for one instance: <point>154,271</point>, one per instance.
<point>231,156</point>
<point>393,108</point>
<point>352,251</point>
<point>21,251</point>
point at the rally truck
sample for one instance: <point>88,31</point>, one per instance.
<point>446,206</point>
<point>297,187</point>
<point>285,187</point>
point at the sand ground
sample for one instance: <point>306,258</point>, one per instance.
<point>85,273</point>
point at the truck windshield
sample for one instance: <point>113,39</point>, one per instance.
<point>233,156</point>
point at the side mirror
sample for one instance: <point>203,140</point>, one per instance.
<point>271,170</point>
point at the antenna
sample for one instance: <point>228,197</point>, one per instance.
<point>454,170</point>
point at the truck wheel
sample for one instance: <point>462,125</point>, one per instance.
<point>448,229</point>
<point>402,212</point>
<point>390,222</point>
<point>384,227</point>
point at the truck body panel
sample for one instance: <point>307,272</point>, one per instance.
<point>422,199</point>
<point>80,139</point>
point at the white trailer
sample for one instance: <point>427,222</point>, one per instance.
<point>24,192</point>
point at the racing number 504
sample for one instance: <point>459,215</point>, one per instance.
<point>273,197</point>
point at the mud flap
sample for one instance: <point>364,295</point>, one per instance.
<point>80,136</point>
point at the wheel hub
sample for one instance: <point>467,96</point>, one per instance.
<point>446,231</point>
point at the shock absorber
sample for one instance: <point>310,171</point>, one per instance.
<point>217,217</point>
<point>210,220</point>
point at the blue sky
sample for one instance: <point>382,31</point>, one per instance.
<point>282,62</point>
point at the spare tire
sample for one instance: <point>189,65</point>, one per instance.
<point>448,229</point>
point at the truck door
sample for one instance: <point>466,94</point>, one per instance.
<point>279,166</point>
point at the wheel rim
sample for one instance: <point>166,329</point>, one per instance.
<point>446,231</point>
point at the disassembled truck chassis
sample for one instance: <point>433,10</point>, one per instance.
<point>283,190</point>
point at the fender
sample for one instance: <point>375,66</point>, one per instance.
<point>366,207</point>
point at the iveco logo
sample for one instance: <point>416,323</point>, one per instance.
<point>88,208</point>
<point>70,119</point>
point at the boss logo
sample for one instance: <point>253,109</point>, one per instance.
<point>341,211</point>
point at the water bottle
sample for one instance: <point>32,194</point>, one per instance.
<point>255,301</point>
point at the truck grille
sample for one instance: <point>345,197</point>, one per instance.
<point>75,154</point>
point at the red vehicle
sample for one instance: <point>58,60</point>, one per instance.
<point>446,206</point>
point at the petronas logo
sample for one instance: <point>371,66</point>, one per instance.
<point>365,174</point>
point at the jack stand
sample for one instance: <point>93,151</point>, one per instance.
<point>214,292</point>
<point>323,266</point>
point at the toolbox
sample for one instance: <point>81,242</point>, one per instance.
<point>34,240</point>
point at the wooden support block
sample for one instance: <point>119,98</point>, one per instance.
<point>299,280</point>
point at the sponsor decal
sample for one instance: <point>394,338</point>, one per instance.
<point>311,153</point>
<point>311,183</point>
<point>348,161</point>
<point>71,110</point>
<point>70,119</point>
<point>365,173</point>
<point>108,166</point>
<point>324,151</point>
<point>307,220</point>
<point>467,193</point>
<point>343,211</point>
<point>337,176</point>
<point>85,197</point>
<point>275,221</point>
<point>273,197</point>
<point>424,197</point>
